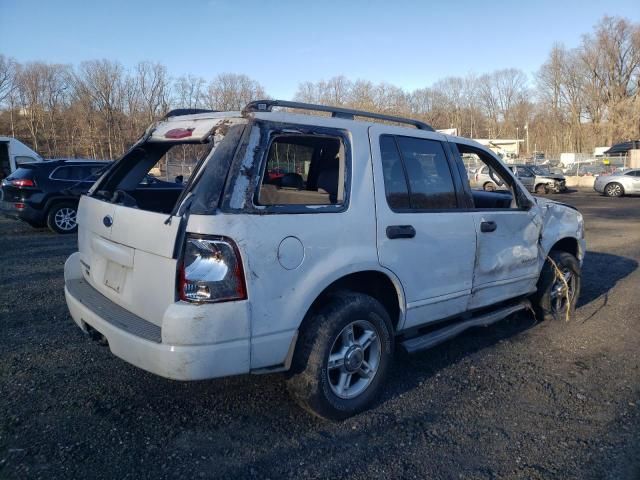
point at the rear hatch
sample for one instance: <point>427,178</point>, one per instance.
<point>128,251</point>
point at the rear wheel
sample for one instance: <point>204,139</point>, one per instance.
<point>62,218</point>
<point>614,190</point>
<point>558,287</point>
<point>342,357</point>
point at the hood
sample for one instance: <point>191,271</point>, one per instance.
<point>547,202</point>
<point>552,176</point>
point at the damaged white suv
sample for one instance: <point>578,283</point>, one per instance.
<point>311,245</point>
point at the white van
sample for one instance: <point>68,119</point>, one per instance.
<point>12,153</point>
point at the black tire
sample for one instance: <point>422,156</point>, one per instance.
<point>614,189</point>
<point>57,214</point>
<point>489,187</point>
<point>545,300</point>
<point>311,381</point>
<point>541,189</point>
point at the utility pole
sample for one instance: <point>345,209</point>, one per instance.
<point>526,127</point>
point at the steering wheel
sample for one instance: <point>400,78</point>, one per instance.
<point>494,176</point>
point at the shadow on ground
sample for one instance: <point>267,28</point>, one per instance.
<point>601,272</point>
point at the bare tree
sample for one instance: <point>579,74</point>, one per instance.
<point>230,91</point>
<point>189,92</point>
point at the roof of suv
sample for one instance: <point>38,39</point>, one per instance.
<point>57,162</point>
<point>340,118</point>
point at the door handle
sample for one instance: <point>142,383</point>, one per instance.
<point>401,231</point>
<point>488,227</point>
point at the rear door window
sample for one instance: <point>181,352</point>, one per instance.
<point>427,177</point>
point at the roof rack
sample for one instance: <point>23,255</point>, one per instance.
<point>178,112</point>
<point>337,112</point>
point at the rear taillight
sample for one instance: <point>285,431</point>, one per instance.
<point>23,182</point>
<point>211,271</point>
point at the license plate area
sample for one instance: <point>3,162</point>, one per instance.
<point>114,276</point>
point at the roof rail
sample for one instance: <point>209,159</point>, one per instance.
<point>337,112</point>
<point>178,112</point>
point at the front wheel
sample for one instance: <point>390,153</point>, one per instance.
<point>558,287</point>
<point>613,190</point>
<point>342,356</point>
<point>541,189</point>
<point>62,218</point>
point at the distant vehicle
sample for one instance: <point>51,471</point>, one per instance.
<point>618,184</point>
<point>536,179</point>
<point>13,153</point>
<point>47,193</point>
<point>539,179</point>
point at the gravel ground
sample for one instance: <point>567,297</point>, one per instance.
<point>521,399</point>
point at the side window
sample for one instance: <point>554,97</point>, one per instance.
<point>430,180</point>
<point>423,164</point>
<point>523,172</point>
<point>19,159</point>
<point>395,180</point>
<point>61,173</point>
<point>303,170</point>
<point>489,188</point>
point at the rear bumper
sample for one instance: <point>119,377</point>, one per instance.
<point>143,346</point>
<point>28,213</point>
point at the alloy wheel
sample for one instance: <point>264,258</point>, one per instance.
<point>354,359</point>
<point>65,219</point>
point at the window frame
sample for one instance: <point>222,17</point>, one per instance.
<point>455,180</point>
<point>520,194</point>
<point>61,167</point>
<point>270,131</point>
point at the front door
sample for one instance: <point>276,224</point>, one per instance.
<point>421,236</point>
<point>507,237</point>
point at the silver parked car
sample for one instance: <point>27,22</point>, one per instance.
<point>536,179</point>
<point>619,183</point>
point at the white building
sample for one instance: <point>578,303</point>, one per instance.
<point>506,148</point>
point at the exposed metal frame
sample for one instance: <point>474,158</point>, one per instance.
<point>337,112</point>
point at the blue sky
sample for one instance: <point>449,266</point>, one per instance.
<point>281,43</point>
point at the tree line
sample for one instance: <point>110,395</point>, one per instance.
<point>580,98</point>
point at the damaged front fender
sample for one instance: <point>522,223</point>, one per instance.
<point>560,223</point>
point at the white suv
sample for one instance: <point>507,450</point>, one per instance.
<point>311,245</point>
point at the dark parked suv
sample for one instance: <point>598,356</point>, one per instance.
<point>48,193</point>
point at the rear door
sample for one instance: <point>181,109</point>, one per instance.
<point>128,252</point>
<point>423,237</point>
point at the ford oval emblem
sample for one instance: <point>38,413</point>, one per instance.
<point>107,220</point>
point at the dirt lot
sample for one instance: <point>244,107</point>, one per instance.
<point>519,400</point>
